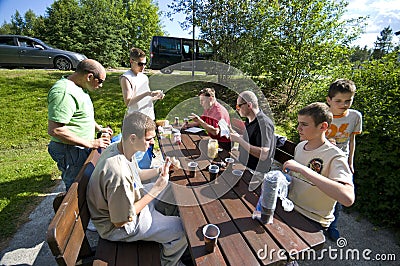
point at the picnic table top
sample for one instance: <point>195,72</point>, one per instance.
<point>228,203</point>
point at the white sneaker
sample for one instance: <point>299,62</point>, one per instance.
<point>91,226</point>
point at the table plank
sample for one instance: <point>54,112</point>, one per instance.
<point>302,226</point>
<point>282,232</point>
<point>252,230</point>
<point>190,213</point>
<point>242,216</point>
<point>235,248</point>
<point>241,236</point>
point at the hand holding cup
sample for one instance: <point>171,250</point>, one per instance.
<point>157,95</point>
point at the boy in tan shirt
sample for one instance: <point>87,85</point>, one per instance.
<point>321,174</point>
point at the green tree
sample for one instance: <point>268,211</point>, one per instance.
<point>28,25</point>
<point>37,28</point>
<point>17,23</point>
<point>102,29</point>
<point>63,25</point>
<point>222,22</point>
<point>143,22</point>
<point>360,55</point>
<point>290,43</point>
<point>6,28</point>
<point>307,39</point>
<point>383,43</point>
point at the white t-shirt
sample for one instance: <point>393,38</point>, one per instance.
<point>309,200</point>
<point>140,83</point>
<point>343,126</point>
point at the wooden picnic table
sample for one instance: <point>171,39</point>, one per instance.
<point>228,203</point>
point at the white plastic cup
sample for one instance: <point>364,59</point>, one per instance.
<point>192,168</point>
<point>177,138</point>
<point>213,169</point>
<point>210,233</point>
<point>229,161</point>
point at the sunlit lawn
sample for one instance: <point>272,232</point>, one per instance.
<point>27,172</point>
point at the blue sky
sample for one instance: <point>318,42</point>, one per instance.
<point>8,8</point>
<point>382,13</point>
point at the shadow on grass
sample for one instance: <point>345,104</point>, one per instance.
<point>22,197</point>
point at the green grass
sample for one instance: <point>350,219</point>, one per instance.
<point>27,172</point>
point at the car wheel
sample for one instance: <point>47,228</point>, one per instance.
<point>166,70</point>
<point>62,63</point>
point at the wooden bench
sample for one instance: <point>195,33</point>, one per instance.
<point>285,152</point>
<point>66,233</point>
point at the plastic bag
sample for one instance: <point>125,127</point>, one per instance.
<point>275,184</point>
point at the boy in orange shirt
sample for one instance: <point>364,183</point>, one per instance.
<point>346,124</point>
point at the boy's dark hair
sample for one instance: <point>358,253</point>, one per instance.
<point>136,53</point>
<point>341,86</point>
<point>319,112</point>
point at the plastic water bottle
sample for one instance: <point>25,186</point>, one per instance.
<point>269,198</point>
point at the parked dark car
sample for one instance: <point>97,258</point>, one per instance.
<point>22,51</point>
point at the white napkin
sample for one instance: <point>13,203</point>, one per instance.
<point>224,128</point>
<point>193,129</point>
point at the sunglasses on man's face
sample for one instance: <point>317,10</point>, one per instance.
<point>99,80</point>
<point>141,64</point>
<point>239,105</point>
<point>149,139</point>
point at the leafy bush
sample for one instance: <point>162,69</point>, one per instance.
<point>377,178</point>
<point>377,162</point>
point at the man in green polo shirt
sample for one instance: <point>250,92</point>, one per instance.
<point>71,122</point>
